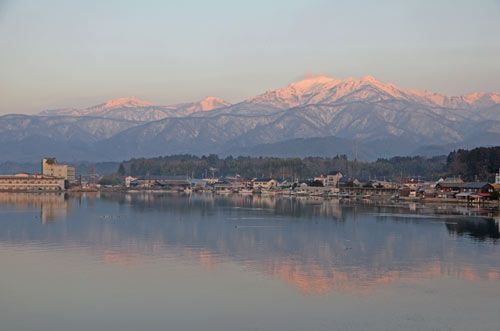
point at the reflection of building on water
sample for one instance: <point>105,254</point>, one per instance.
<point>480,229</point>
<point>311,206</point>
<point>497,222</point>
<point>52,206</point>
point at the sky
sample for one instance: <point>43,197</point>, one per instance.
<point>58,54</point>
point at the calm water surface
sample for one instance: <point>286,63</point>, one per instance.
<point>171,262</point>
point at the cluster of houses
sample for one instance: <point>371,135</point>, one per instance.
<point>56,177</point>
<point>235,184</point>
<point>334,184</point>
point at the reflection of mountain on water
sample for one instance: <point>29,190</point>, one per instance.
<point>318,246</point>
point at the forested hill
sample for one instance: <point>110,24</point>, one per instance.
<point>479,163</point>
<point>251,167</point>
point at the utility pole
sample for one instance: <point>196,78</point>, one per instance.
<point>355,150</point>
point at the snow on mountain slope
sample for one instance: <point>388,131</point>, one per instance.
<point>391,120</point>
<point>320,90</point>
<point>325,90</point>
<point>139,110</point>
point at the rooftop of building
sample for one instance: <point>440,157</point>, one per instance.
<point>28,176</point>
<point>263,179</point>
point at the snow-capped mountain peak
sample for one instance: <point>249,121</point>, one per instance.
<point>322,89</point>
<point>211,103</point>
<point>139,110</point>
<point>125,102</point>
<point>326,90</point>
<point>388,118</point>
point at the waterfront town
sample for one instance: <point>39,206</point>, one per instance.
<point>56,177</point>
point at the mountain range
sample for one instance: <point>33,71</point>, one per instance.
<point>133,109</point>
<point>316,116</point>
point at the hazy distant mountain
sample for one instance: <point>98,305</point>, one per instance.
<point>484,134</point>
<point>138,110</point>
<point>29,138</point>
<point>304,147</point>
<point>384,119</point>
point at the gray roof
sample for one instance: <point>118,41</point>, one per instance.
<point>450,185</point>
<point>474,185</point>
<point>163,178</point>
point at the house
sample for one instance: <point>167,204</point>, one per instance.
<point>221,188</point>
<point>171,182</point>
<point>413,185</point>
<point>129,180</point>
<point>287,183</point>
<point>333,178</point>
<point>211,181</point>
<point>477,187</point>
<point>449,187</point>
<point>265,183</point>
<point>473,196</point>
<point>349,182</point>
<point>237,182</point>
<point>322,179</point>
<point>198,184</point>
<point>404,191</point>
<point>383,184</point>
<point>496,187</point>
<point>450,180</point>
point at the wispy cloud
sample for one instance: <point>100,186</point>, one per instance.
<point>309,74</point>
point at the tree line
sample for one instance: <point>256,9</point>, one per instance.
<point>395,168</point>
<point>477,164</point>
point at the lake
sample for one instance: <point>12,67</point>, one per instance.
<point>142,261</point>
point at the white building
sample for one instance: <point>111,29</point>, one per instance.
<point>51,168</point>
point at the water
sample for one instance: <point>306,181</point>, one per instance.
<point>171,262</point>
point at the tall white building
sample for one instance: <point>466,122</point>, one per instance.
<point>51,168</point>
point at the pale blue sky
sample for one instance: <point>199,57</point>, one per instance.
<point>79,53</point>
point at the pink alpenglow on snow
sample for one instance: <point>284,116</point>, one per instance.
<point>321,89</point>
